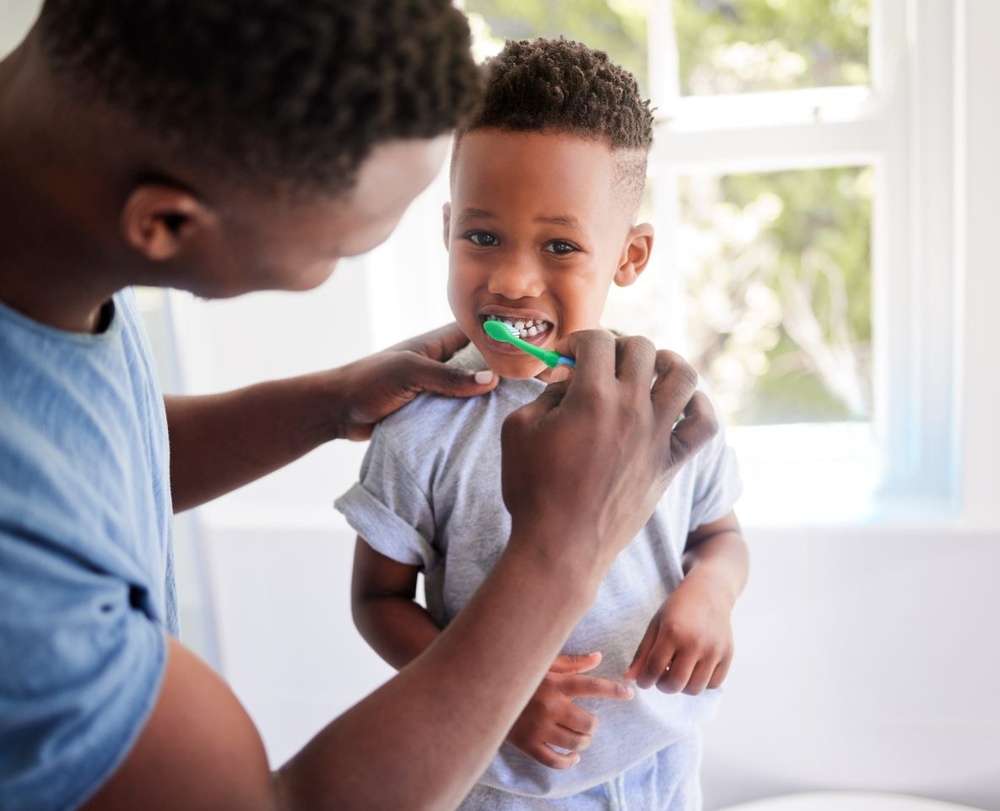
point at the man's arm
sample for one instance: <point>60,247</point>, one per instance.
<point>220,442</point>
<point>421,740</point>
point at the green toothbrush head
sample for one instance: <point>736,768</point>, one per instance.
<point>499,331</point>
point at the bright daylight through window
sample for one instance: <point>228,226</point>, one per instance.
<point>778,188</point>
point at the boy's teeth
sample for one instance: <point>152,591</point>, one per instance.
<point>524,328</point>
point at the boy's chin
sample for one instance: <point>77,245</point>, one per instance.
<point>518,368</point>
<point>532,370</point>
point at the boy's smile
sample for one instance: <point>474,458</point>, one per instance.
<point>536,232</point>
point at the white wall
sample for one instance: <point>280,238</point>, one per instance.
<point>867,656</point>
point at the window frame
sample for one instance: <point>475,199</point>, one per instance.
<point>903,125</point>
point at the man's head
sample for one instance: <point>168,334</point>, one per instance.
<point>293,93</point>
<point>546,180</point>
<point>247,145</point>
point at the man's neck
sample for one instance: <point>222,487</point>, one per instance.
<point>50,267</point>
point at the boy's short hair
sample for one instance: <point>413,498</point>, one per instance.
<point>556,85</point>
<point>289,91</point>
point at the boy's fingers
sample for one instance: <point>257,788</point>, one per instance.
<point>578,720</point>
<point>553,759</point>
<point>568,739</point>
<point>720,673</point>
<point>575,662</point>
<point>641,654</point>
<point>658,662</point>
<point>699,678</point>
<point>676,677</point>
<point>595,687</point>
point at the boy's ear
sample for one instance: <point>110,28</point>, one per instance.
<point>160,220</point>
<point>635,255</point>
<point>446,212</point>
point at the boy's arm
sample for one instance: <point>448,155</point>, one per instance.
<point>384,607</point>
<point>688,645</point>
<point>399,629</point>
<point>717,554</point>
<point>219,442</point>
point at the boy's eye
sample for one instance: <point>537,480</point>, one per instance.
<point>560,247</point>
<point>482,239</point>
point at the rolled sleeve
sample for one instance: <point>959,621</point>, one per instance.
<point>718,485</point>
<point>383,530</point>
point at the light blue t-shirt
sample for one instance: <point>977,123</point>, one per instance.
<point>86,569</point>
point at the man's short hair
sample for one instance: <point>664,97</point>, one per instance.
<point>556,85</point>
<point>290,91</point>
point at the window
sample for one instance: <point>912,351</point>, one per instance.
<point>801,261</point>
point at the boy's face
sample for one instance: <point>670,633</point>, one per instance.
<point>535,234</point>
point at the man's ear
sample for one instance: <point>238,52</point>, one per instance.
<point>446,212</point>
<point>635,255</point>
<point>160,221</point>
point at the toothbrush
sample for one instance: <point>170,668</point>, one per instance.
<point>499,331</point>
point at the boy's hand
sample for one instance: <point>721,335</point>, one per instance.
<point>552,719</point>
<point>688,645</point>
<point>370,389</point>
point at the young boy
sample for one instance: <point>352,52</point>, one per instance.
<point>546,181</point>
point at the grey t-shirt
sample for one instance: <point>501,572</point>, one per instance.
<point>429,495</point>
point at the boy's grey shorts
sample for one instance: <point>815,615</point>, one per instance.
<point>670,780</point>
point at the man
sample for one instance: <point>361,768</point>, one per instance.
<point>223,148</point>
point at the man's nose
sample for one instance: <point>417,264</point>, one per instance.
<point>518,277</point>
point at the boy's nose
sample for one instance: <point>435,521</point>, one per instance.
<point>516,279</point>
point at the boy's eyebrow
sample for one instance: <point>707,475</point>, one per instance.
<point>468,214</point>
<point>560,219</point>
<point>474,214</point>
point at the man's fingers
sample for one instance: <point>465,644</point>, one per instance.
<point>675,383</point>
<point>696,429</point>
<point>438,344</point>
<point>432,375</point>
<point>595,353</point>
<point>635,361</point>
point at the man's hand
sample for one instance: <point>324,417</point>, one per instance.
<point>585,464</point>
<point>372,388</point>
<point>551,719</point>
